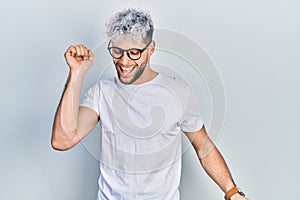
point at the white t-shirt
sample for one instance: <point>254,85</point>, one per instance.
<point>141,129</point>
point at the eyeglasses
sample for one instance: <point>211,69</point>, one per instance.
<point>133,53</point>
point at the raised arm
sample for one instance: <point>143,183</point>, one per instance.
<point>72,123</point>
<point>212,161</point>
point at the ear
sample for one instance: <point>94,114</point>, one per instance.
<point>152,48</point>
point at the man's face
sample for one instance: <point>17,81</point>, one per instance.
<point>130,71</point>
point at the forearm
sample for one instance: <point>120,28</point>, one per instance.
<point>215,166</point>
<point>65,122</point>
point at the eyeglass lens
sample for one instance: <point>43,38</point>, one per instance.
<point>118,53</point>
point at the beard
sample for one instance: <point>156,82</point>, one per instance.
<point>140,70</point>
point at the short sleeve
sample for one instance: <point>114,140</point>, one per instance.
<point>191,120</point>
<point>91,98</point>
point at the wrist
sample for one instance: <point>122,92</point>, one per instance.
<point>77,72</point>
<point>75,77</point>
<point>236,196</point>
<point>229,186</point>
<point>233,193</point>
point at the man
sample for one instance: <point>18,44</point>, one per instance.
<point>142,115</point>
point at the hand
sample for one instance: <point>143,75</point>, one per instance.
<point>237,196</point>
<point>79,57</point>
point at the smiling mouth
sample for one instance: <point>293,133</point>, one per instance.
<point>125,71</point>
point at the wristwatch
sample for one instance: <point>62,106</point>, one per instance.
<point>232,192</point>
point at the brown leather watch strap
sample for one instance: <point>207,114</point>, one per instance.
<point>231,192</point>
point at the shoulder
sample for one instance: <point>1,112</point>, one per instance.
<point>180,88</point>
<point>107,81</point>
<point>106,84</point>
<point>176,83</point>
<point>102,86</point>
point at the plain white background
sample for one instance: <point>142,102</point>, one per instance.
<point>254,45</point>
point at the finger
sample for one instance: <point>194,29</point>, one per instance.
<point>90,55</point>
<point>68,51</point>
<point>82,55</point>
<point>78,49</point>
<point>84,51</point>
<point>71,51</point>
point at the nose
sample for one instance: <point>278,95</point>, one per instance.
<point>124,60</point>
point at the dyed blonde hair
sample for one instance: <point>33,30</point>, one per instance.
<point>134,23</point>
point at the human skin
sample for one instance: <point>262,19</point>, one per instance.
<point>212,161</point>
<point>136,71</point>
<point>72,122</point>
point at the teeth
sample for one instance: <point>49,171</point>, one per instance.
<point>126,69</point>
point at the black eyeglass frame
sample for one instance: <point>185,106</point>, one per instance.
<point>127,51</point>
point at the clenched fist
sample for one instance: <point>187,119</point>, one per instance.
<point>79,57</point>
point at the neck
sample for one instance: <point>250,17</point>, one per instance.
<point>147,76</point>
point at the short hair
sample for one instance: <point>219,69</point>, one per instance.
<point>133,23</point>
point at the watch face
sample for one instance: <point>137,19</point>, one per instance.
<point>241,193</point>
